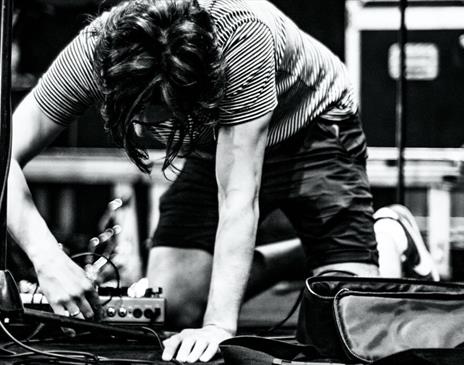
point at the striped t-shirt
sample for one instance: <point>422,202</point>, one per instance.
<point>271,65</point>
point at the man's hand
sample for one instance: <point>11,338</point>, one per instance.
<point>66,286</point>
<point>192,345</point>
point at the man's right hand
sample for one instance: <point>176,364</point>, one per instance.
<point>66,286</point>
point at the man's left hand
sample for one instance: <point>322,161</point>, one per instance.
<point>192,345</point>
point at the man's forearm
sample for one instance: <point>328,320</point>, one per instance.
<point>24,221</point>
<point>233,256</point>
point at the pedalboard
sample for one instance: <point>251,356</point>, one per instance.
<point>116,309</point>
<point>126,310</point>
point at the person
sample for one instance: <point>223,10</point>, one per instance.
<point>265,118</point>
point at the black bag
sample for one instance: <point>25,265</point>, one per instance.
<point>246,350</point>
<point>355,319</point>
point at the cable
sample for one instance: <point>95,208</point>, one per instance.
<point>4,349</point>
<point>44,340</point>
<point>152,331</point>
<point>35,332</point>
<point>29,338</point>
<point>288,316</point>
<point>36,289</point>
<point>70,357</point>
<point>40,326</point>
<point>56,354</point>
<point>330,272</point>
<point>108,260</point>
<point>43,360</point>
<point>114,361</point>
<point>6,17</point>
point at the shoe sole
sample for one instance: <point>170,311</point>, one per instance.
<point>407,221</point>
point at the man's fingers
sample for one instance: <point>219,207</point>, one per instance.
<point>73,310</point>
<point>59,309</point>
<point>185,348</point>
<point>194,344</point>
<point>94,300</point>
<point>78,307</point>
<point>170,347</point>
<point>208,354</point>
<point>69,309</point>
<point>85,308</point>
<point>197,351</point>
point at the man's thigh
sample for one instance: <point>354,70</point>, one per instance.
<point>184,276</point>
<point>321,185</point>
<point>189,209</point>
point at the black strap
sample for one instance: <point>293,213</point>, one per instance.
<point>255,350</point>
<point>333,272</point>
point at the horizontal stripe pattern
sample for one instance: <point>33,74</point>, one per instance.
<point>271,65</point>
<point>69,86</point>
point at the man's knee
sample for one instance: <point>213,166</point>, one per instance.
<point>183,275</point>
<point>184,312</point>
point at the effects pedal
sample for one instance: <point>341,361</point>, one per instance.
<point>116,308</point>
<point>126,310</point>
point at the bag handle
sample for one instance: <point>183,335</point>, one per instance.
<point>241,350</point>
<point>331,272</point>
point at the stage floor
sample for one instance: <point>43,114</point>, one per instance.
<point>258,315</point>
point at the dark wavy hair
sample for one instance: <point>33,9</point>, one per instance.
<point>161,52</point>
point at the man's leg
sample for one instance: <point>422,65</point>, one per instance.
<point>398,246</point>
<point>180,260</point>
<point>330,203</point>
<point>355,268</point>
<point>402,251</point>
<point>275,262</point>
<point>184,276</point>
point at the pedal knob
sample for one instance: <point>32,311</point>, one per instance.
<point>137,313</point>
<point>110,312</point>
<point>148,313</point>
<point>122,312</point>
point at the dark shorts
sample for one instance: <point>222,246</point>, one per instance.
<point>316,178</point>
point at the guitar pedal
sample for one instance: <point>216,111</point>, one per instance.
<point>126,310</point>
<point>117,309</point>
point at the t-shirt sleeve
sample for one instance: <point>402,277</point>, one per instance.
<point>250,89</point>
<point>69,85</point>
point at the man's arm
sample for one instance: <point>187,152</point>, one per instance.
<point>239,160</point>
<point>239,163</point>
<point>63,282</point>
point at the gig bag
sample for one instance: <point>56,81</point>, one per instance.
<point>361,320</point>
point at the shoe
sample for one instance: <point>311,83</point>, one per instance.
<point>416,260</point>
